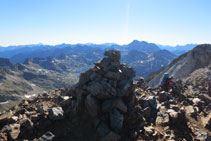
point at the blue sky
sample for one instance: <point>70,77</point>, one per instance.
<point>98,21</point>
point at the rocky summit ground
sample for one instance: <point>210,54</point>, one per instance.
<point>108,105</point>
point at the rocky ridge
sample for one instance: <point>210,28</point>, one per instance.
<point>107,104</point>
<point>181,67</point>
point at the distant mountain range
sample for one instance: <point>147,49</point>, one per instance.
<point>20,53</point>
<point>179,49</point>
<point>33,69</point>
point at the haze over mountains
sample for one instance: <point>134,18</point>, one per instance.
<point>21,52</point>
<point>32,69</point>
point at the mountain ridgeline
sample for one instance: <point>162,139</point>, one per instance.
<point>32,69</point>
<point>184,65</point>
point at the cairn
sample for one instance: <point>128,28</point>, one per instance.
<point>101,92</point>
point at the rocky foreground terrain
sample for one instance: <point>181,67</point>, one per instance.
<point>107,105</point>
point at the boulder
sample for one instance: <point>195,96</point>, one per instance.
<point>120,105</point>
<point>108,105</point>
<point>56,113</point>
<point>92,105</point>
<point>95,88</point>
<point>116,120</point>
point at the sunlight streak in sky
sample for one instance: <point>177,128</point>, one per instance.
<point>127,18</point>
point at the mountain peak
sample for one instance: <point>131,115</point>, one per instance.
<point>142,46</point>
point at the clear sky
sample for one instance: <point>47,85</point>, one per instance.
<point>98,21</point>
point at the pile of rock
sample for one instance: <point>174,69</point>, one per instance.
<point>101,93</point>
<point>31,117</point>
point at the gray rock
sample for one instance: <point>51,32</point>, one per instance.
<point>111,90</point>
<point>113,75</point>
<point>152,101</point>
<point>163,96</point>
<point>102,90</point>
<point>103,129</point>
<point>111,137</point>
<point>147,112</point>
<point>48,136</point>
<point>93,76</point>
<point>113,54</point>
<point>124,89</point>
<point>104,63</point>
<point>92,105</point>
<point>128,71</point>
<point>107,105</point>
<point>120,105</point>
<point>85,77</point>
<point>56,113</point>
<point>95,88</point>
<point>116,120</point>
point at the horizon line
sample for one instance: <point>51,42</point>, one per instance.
<point>83,43</point>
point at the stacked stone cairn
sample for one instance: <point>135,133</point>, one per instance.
<point>101,92</point>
